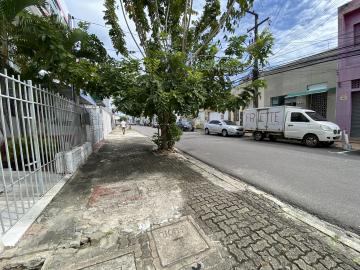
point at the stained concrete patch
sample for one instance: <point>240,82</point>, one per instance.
<point>122,192</point>
<point>125,262</point>
<point>118,207</point>
<point>177,241</point>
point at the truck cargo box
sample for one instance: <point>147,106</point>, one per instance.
<point>269,119</point>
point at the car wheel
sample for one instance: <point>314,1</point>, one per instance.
<point>207,132</point>
<point>311,140</point>
<point>224,133</point>
<point>258,136</point>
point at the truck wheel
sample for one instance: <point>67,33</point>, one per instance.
<point>258,136</point>
<point>224,133</point>
<point>207,131</point>
<point>311,140</point>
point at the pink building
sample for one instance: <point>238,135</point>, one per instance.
<point>348,92</point>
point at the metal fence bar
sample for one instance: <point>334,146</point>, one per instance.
<point>20,140</point>
<point>5,191</point>
<point>26,144</point>
<point>14,149</point>
<point>36,128</point>
<point>46,157</point>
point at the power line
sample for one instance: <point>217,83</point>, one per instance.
<point>127,24</point>
<point>317,25</point>
<point>310,62</point>
<point>303,47</point>
<point>97,24</point>
<point>281,7</point>
<point>326,59</point>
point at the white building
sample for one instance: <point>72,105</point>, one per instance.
<point>54,7</point>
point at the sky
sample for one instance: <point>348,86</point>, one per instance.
<point>300,27</point>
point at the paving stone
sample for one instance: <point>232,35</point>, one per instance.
<point>328,262</point>
<point>251,231</point>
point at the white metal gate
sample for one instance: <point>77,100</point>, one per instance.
<point>36,128</point>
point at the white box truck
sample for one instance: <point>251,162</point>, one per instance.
<point>290,123</point>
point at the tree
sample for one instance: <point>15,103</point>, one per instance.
<point>182,69</point>
<point>9,10</point>
<point>69,56</point>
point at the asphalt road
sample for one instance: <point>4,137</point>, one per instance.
<point>322,181</point>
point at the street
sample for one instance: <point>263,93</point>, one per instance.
<point>322,181</point>
<point>138,210</point>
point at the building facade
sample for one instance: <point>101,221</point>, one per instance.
<point>53,7</point>
<point>348,93</point>
<point>307,83</point>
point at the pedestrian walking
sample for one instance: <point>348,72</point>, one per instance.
<point>123,126</point>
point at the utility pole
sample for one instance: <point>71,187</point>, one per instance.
<point>256,61</point>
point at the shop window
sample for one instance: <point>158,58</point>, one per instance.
<point>277,101</point>
<point>355,84</point>
<point>357,34</point>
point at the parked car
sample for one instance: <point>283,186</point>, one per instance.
<point>185,125</point>
<point>294,123</point>
<point>223,127</point>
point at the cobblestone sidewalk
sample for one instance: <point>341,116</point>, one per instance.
<point>130,208</point>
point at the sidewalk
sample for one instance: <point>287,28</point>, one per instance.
<point>130,208</point>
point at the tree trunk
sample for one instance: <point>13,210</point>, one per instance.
<point>164,128</point>
<point>4,51</point>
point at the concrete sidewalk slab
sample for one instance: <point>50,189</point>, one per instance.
<point>130,207</point>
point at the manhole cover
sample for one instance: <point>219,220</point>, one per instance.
<point>178,241</point>
<point>117,192</point>
<point>125,262</point>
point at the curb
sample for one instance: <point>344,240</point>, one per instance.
<point>343,236</point>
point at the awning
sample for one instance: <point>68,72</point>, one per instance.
<point>307,92</point>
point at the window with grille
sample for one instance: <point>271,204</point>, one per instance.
<point>357,34</point>
<point>355,84</point>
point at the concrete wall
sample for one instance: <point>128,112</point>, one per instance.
<point>349,67</point>
<point>299,79</point>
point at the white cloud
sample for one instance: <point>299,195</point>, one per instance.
<point>315,30</point>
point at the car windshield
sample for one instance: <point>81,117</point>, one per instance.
<point>315,116</point>
<point>229,123</point>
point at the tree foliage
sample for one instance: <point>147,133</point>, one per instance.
<point>9,10</point>
<point>47,51</point>
<point>183,69</point>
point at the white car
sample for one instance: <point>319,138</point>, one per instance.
<point>223,127</point>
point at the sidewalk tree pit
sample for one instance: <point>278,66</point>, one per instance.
<point>184,66</point>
